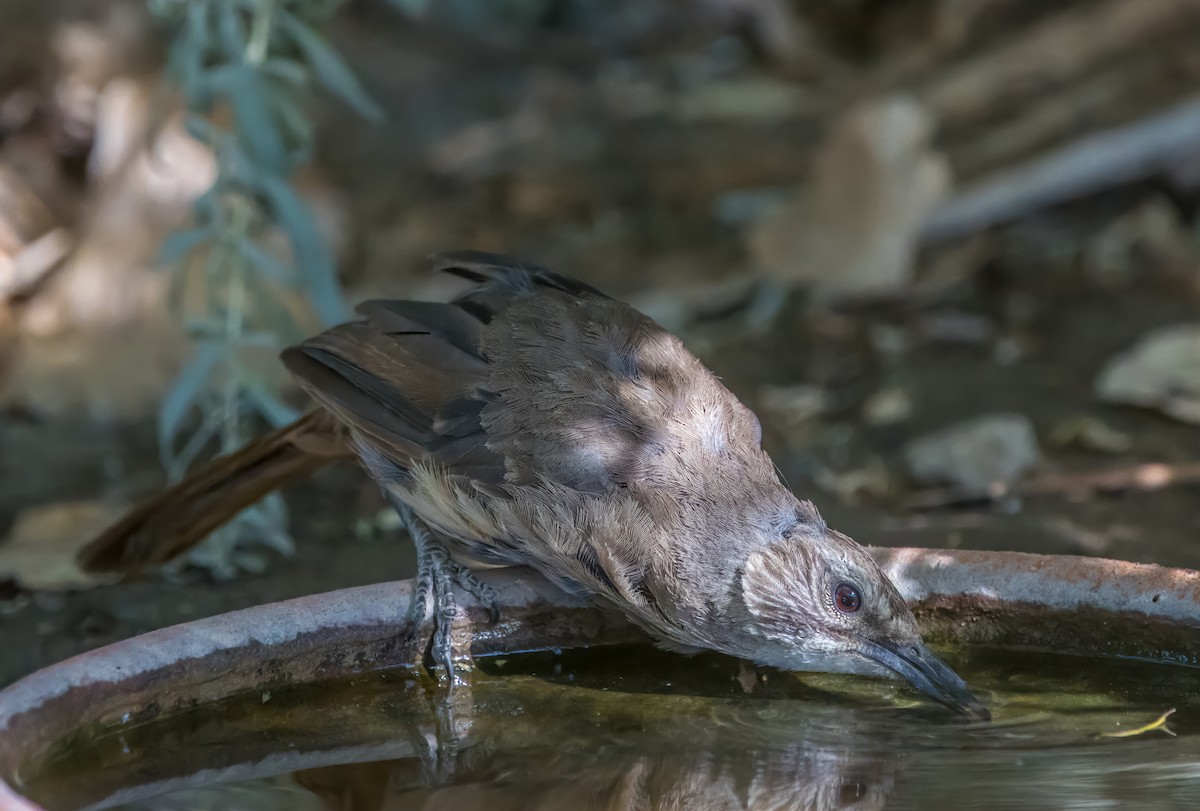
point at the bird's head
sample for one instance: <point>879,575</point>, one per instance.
<point>816,600</point>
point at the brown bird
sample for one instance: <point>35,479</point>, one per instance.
<point>536,421</point>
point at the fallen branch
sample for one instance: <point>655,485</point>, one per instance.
<point>1093,163</point>
<point>1051,55</point>
<point>1139,478</point>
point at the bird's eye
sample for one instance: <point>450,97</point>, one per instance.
<point>847,598</point>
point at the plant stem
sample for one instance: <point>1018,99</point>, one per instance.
<point>260,33</point>
<point>235,325</point>
<point>237,232</point>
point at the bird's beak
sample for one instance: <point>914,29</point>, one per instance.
<point>929,674</point>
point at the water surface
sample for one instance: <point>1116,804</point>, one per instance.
<point>634,728</point>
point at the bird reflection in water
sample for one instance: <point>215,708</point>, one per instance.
<point>804,779</point>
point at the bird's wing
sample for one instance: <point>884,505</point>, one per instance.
<point>412,378</point>
<point>528,377</point>
<point>409,380</point>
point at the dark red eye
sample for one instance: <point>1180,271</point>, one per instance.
<point>846,598</point>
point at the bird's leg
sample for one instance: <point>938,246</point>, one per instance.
<point>437,572</point>
<point>445,609</point>
<point>435,577</point>
<point>423,585</point>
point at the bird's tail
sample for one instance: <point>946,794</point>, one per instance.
<point>182,516</point>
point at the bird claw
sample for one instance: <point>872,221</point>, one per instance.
<point>481,591</point>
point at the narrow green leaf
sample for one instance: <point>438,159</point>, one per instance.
<point>186,390</point>
<point>333,72</point>
<point>267,524</point>
<point>205,329</point>
<point>318,276</point>
<point>297,127</point>
<point>232,30</point>
<point>206,208</point>
<point>287,70</point>
<point>185,61</point>
<point>177,464</point>
<point>201,128</point>
<point>249,96</point>
<point>176,288</point>
<point>269,312</point>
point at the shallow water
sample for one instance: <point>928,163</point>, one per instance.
<point>640,729</point>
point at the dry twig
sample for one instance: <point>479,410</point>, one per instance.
<point>1138,478</point>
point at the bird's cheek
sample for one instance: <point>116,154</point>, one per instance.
<point>785,636</point>
<point>875,626</point>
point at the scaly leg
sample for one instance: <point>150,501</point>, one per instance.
<point>434,582</point>
<point>437,571</point>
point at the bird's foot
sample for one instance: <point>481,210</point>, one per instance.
<point>445,610</point>
<point>437,572</point>
<point>481,591</point>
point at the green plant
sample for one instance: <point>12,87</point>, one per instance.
<point>249,62</point>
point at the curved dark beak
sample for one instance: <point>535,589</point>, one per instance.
<point>929,674</point>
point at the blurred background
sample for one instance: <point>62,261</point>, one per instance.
<point>948,251</point>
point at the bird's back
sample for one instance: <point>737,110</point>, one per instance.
<point>527,377</point>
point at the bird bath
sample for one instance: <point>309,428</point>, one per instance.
<point>312,703</point>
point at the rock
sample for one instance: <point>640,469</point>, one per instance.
<point>1151,238</point>
<point>976,454</point>
<point>1161,371</point>
<point>853,231</point>
<point>794,409</point>
<point>1090,433</point>
<point>39,553</point>
<point>956,327</point>
<point>887,406</point>
<point>867,483</point>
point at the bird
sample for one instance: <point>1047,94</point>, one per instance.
<point>534,420</point>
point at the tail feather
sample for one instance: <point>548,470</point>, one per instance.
<point>182,516</point>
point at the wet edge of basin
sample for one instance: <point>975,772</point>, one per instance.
<point>1060,603</point>
<point>1063,603</point>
